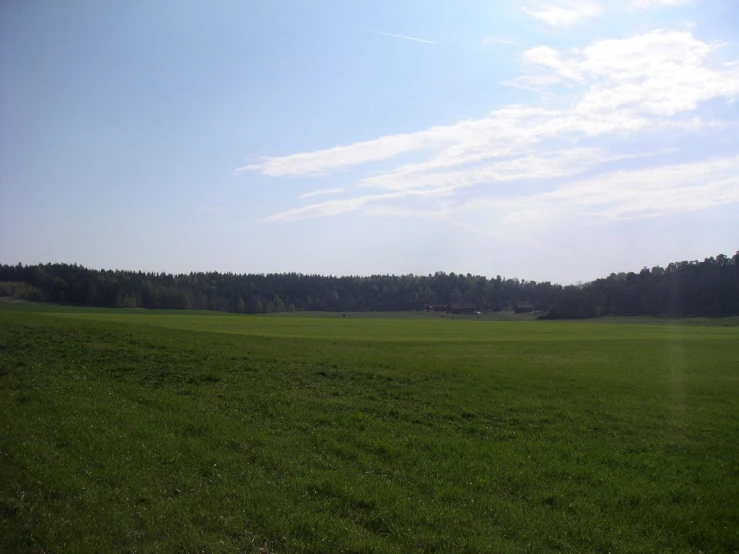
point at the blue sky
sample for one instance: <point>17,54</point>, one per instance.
<point>552,140</point>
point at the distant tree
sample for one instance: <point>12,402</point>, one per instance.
<point>278,304</point>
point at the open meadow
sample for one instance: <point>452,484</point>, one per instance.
<point>163,431</point>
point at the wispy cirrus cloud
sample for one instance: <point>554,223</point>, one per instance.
<point>320,161</point>
<point>534,165</point>
<point>321,192</point>
<point>403,37</point>
<point>656,191</point>
<point>500,132</point>
<point>499,40</point>
<point>331,207</point>
<point>567,156</point>
<point>628,194</point>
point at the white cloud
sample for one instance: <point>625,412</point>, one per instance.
<point>320,192</point>
<point>662,72</point>
<point>536,165</point>
<point>645,4</point>
<point>514,126</point>
<point>321,161</point>
<point>650,192</point>
<point>606,101</point>
<point>565,14</point>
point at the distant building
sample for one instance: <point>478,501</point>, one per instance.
<point>461,308</point>
<point>436,307</point>
<point>523,308</point>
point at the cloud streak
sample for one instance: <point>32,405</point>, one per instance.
<point>404,37</point>
<point>498,40</point>
<point>321,192</point>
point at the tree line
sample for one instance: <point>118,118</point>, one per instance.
<point>710,287</point>
<point>260,293</point>
<point>707,288</point>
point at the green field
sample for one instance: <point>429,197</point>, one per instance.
<point>148,431</point>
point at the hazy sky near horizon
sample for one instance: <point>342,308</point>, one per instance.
<point>554,140</point>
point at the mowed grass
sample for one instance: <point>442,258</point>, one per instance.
<point>131,431</point>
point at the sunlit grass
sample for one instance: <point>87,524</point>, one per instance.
<point>148,431</point>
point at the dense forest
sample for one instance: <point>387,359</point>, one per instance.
<point>710,288</point>
<point>707,288</point>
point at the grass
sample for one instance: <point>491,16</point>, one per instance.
<point>134,430</point>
